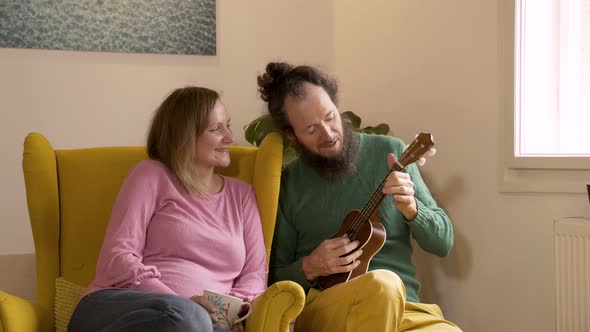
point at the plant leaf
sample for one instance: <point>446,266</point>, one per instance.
<point>354,119</point>
<point>256,130</point>
<point>261,135</point>
<point>250,132</point>
<point>263,128</point>
<point>382,129</point>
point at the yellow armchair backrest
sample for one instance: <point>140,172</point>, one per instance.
<point>70,194</point>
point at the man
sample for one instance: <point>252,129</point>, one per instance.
<point>336,172</point>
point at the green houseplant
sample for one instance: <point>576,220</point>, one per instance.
<point>255,131</point>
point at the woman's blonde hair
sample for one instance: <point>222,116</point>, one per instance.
<point>177,123</point>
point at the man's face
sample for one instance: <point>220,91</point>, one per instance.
<point>316,123</point>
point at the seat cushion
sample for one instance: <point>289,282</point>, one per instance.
<point>67,295</point>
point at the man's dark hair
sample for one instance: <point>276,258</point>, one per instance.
<point>281,80</point>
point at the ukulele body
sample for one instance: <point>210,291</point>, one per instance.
<point>371,236</point>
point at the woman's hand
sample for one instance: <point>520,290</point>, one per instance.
<point>204,302</point>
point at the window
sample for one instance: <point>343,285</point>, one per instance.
<point>552,78</point>
<point>545,56</point>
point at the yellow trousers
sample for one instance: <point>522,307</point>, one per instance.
<point>374,301</point>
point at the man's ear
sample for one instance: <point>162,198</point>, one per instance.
<point>290,135</point>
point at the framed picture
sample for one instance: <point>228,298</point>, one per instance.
<point>130,26</point>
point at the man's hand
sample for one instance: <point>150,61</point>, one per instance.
<point>400,186</point>
<point>204,302</point>
<point>325,259</point>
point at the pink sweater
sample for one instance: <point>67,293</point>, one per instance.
<point>162,239</point>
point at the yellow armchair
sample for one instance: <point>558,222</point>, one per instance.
<point>70,194</point>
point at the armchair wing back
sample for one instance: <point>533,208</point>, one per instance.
<point>70,194</point>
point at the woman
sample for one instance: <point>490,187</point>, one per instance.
<point>177,228</point>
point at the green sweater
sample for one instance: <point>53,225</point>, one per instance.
<point>311,209</point>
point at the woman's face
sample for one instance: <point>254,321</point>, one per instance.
<point>213,144</point>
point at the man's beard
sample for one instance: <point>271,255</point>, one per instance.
<point>343,164</point>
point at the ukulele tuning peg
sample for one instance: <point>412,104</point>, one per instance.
<point>431,152</point>
<point>421,162</point>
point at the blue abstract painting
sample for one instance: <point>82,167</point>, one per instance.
<point>131,26</point>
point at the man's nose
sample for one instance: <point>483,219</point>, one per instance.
<point>327,133</point>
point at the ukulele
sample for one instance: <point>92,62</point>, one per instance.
<point>358,226</point>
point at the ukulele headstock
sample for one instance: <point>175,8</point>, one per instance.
<point>420,146</point>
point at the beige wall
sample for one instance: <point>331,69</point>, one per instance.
<point>82,99</point>
<point>433,66</point>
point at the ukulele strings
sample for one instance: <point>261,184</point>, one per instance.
<point>374,201</point>
<point>378,195</point>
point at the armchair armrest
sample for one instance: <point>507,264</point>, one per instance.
<point>19,315</point>
<point>276,308</point>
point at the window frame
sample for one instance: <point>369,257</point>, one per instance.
<point>558,174</point>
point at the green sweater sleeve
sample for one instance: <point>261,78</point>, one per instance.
<point>283,262</point>
<point>431,228</point>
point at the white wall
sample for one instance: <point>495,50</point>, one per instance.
<point>433,65</point>
<point>81,99</point>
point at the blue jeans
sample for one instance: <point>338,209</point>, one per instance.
<point>118,310</point>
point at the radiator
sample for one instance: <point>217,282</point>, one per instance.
<point>572,274</point>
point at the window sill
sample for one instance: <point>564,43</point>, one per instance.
<point>546,162</point>
<point>543,180</point>
<point>542,174</point>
